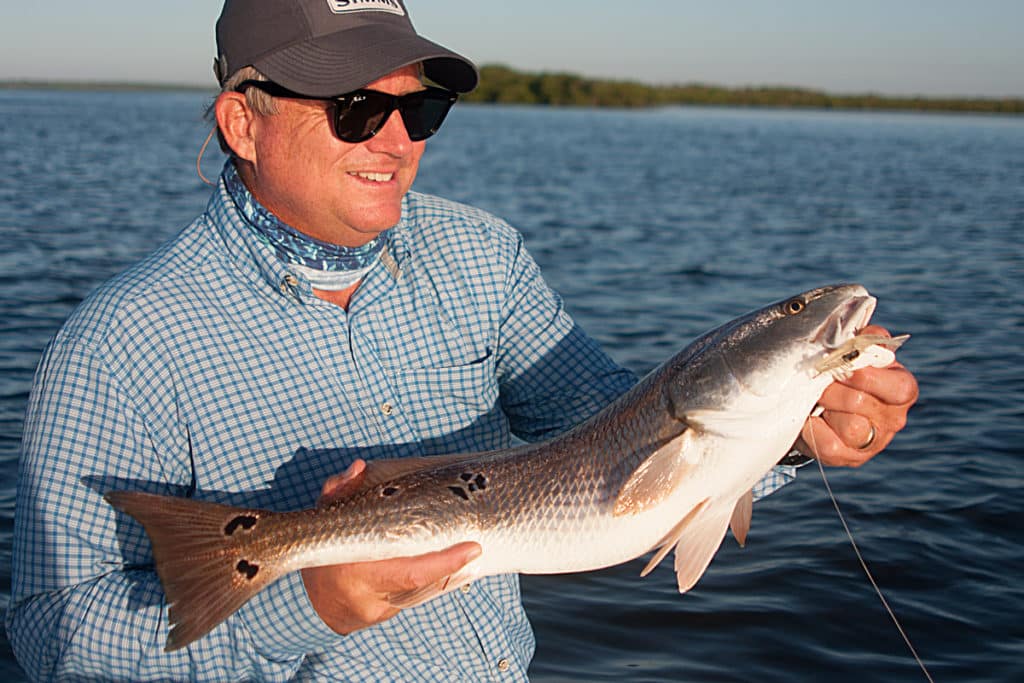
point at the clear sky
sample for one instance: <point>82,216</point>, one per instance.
<point>928,47</point>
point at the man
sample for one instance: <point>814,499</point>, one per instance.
<point>316,315</point>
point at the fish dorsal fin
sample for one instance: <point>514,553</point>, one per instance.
<point>698,543</point>
<point>377,472</point>
<point>656,477</point>
<point>387,469</point>
<point>672,537</point>
<point>740,522</point>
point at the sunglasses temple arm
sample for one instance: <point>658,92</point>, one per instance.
<point>199,159</point>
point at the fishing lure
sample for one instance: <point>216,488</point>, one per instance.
<point>861,351</point>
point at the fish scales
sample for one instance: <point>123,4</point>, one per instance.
<point>668,465</point>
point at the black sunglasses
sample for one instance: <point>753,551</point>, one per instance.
<point>359,115</point>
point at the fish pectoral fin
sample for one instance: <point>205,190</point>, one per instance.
<point>720,422</point>
<point>418,596</point>
<point>672,537</point>
<point>656,477</point>
<point>740,521</point>
<point>698,543</point>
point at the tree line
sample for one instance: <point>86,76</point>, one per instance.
<point>503,85</point>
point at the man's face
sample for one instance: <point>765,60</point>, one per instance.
<point>336,191</point>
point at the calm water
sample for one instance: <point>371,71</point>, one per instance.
<point>655,226</point>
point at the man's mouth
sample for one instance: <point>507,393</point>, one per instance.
<point>373,177</point>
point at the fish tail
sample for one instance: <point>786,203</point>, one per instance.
<point>205,558</point>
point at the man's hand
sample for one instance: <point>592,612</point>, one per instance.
<point>862,414</point>
<point>349,597</point>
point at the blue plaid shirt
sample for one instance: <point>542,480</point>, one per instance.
<point>210,370</point>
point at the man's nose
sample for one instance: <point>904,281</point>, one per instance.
<point>392,139</point>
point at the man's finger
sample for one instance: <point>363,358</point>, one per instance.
<point>341,485</point>
<point>830,449</point>
<point>408,573</point>
<point>856,431</point>
<point>893,385</point>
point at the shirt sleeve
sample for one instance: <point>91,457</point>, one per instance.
<point>552,374</point>
<point>86,602</point>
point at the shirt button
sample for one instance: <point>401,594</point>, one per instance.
<point>289,282</point>
<point>503,664</point>
<point>387,408</point>
<point>465,589</point>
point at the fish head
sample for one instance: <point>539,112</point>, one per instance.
<point>766,362</point>
<point>771,351</point>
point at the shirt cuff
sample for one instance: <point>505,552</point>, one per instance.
<point>775,479</point>
<point>284,624</point>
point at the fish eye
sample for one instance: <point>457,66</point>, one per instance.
<point>793,306</point>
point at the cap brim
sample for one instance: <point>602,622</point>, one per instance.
<point>340,63</point>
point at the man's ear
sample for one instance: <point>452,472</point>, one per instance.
<point>235,118</point>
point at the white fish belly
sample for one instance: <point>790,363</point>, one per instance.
<point>600,541</point>
<point>725,469</point>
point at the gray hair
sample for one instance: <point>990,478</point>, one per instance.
<point>258,101</point>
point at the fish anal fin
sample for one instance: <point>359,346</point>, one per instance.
<point>740,521</point>
<point>656,477</point>
<point>204,556</point>
<point>672,537</point>
<point>698,543</point>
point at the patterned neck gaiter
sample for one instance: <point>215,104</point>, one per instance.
<point>327,266</point>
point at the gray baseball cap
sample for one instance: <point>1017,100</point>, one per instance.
<point>324,48</point>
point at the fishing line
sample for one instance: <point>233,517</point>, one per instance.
<point>864,566</point>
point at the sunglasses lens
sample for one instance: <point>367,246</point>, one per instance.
<point>361,115</point>
<point>423,113</point>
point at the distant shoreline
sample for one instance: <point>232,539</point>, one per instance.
<point>503,85</point>
<point>103,86</point>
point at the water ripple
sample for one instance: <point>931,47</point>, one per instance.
<point>656,225</point>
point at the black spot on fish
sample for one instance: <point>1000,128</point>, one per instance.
<point>458,491</point>
<point>851,356</point>
<point>473,483</point>
<point>389,491</point>
<point>249,571</point>
<point>244,521</point>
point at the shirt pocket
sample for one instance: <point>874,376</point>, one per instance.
<point>446,400</point>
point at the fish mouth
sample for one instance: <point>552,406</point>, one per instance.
<point>846,321</point>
